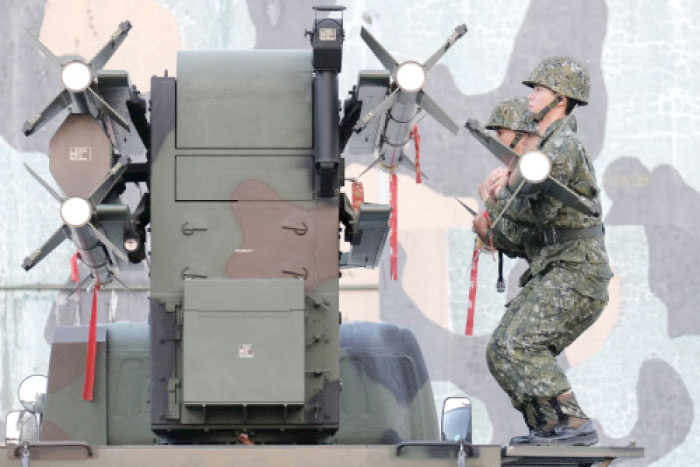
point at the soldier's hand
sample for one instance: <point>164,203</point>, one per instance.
<point>487,185</point>
<point>492,182</point>
<point>500,182</point>
<point>480,225</point>
<point>484,191</point>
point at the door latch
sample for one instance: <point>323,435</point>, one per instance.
<point>188,229</point>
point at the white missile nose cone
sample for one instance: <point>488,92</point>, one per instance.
<point>76,211</point>
<point>534,166</point>
<point>410,76</point>
<point>76,76</point>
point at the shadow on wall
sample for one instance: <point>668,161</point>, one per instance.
<point>665,413</point>
<point>669,210</point>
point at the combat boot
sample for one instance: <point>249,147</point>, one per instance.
<point>565,435</point>
<point>534,419</point>
<point>525,439</point>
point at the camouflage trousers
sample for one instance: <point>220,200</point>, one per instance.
<point>540,322</point>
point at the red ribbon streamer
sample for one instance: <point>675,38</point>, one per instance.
<point>75,272</point>
<point>474,274</point>
<point>394,224</point>
<point>416,138</point>
<point>469,330</point>
<point>89,382</point>
<point>358,195</point>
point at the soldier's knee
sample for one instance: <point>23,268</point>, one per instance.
<point>494,351</point>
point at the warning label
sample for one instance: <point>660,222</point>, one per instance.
<point>245,351</point>
<point>80,153</point>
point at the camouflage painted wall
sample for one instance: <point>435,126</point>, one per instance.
<point>637,371</point>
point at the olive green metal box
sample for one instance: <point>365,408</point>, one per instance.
<point>243,342</point>
<point>224,99</point>
<point>216,178</point>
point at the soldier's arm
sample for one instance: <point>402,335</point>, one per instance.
<point>542,209</point>
<point>508,236</point>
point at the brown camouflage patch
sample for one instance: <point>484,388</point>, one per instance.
<point>282,239</point>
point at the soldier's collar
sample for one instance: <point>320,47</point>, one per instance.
<point>555,127</point>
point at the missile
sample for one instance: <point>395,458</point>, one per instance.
<point>78,77</point>
<point>81,158</point>
<point>96,251</point>
<point>407,98</point>
<point>531,172</point>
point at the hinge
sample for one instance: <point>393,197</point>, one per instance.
<point>174,399</point>
<point>179,319</point>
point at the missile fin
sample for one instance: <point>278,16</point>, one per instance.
<point>459,31</point>
<point>108,243</point>
<point>570,198</point>
<point>435,111</point>
<point>464,205</point>
<point>59,103</point>
<point>102,57</point>
<point>377,111</point>
<point>502,153</point>
<point>122,283</point>
<point>106,108</point>
<point>408,163</point>
<point>44,183</point>
<point>375,162</point>
<point>384,57</point>
<point>45,51</point>
<point>114,175</point>
<point>40,253</point>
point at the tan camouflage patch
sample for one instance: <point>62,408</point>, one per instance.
<point>359,294</point>
<point>78,27</point>
<point>592,340</point>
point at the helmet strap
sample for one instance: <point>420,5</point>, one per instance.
<point>540,115</point>
<point>544,140</point>
<point>518,136</point>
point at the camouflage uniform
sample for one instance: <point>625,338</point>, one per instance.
<point>510,236</point>
<point>510,115</point>
<point>564,291</point>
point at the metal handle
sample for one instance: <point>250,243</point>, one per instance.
<point>303,275</point>
<point>20,449</point>
<point>328,8</point>
<point>301,229</point>
<point>191,275</point>
<point>187,229</point>
<point>467,448</point>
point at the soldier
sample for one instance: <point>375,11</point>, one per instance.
<point>566,288</point>
<point>507,120</point>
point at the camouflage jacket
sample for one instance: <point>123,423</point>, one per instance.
<point>502,237</point>
<point>526,217</point>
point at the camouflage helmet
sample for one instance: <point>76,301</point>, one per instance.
<point>564,75</point>
<point>509,115</point>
